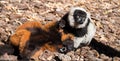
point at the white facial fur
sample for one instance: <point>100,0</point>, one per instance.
<point>71,19</point>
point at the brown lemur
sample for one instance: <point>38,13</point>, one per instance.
<point>32,38</point>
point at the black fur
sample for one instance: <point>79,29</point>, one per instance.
<point>78,32</point>
<point>79,16</point>
<point>39,37</point>
<point>6,49</point>
<point>69,45</point>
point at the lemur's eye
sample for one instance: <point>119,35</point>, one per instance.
<point>80,20</point>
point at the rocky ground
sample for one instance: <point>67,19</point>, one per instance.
<point>104,13</point>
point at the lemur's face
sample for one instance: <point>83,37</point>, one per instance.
<point>77,17</point>
<point>68,46</point>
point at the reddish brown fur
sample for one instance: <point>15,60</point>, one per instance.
<point>30,24</point>
<point>66,36</point>
<point>47,46</point>
<point>22,36</point>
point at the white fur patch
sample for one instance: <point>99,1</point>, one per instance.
<point>86,39</point>
<point>78,41</point>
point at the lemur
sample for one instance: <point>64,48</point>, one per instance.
<point>78,23</point>
<point>32,38</point>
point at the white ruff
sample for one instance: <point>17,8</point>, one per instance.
<point>87,38</point>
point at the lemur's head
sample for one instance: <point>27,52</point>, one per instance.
<point>77,18</point>
<point>68,45</point>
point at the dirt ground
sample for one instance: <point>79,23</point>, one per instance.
<point>104,13</point>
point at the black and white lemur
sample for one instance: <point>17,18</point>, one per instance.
<point>78,23</point>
